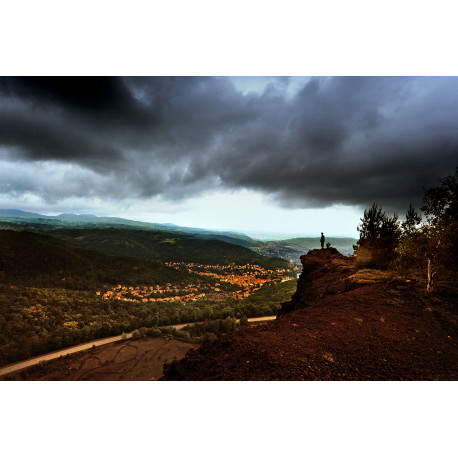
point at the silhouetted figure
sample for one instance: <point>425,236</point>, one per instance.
<point>322,240</point>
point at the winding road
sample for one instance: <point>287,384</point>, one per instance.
<point>5,370</point>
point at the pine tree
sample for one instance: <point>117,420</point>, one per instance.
<point>413,219</point>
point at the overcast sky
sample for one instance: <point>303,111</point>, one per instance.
<point>254,154</point>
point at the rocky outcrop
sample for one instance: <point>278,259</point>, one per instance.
<point>324,272</point>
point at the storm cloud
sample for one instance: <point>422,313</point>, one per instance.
<point>341,140</point>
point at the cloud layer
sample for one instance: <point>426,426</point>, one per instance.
<point>343,140</point>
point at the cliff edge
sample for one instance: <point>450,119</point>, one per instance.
<point>323,272</point>
<point>343,323</point>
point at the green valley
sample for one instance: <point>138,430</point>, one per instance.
<point>51,287</point>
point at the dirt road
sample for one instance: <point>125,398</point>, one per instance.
<point>250,320</point>
<point>56,354</point>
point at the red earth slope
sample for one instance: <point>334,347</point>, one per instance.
<point>341,324</point>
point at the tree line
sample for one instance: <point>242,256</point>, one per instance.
<point>426,240</point>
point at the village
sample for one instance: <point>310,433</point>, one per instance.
<point>221,282</point>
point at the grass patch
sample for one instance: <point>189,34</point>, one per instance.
<point>370,276</point>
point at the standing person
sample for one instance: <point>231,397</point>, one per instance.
<point>322,240</point>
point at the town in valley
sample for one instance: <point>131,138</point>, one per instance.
<point>221,282</point>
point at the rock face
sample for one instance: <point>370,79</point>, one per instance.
<point>317,265</point>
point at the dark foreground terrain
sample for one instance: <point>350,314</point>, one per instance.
<point>343,323</point>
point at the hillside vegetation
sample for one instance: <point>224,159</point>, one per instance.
<point>424,245</point>
<point>42,261</point>
<point>164,246</point>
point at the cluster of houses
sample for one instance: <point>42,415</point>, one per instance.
<point>247,278</point>
<point>167,293</point>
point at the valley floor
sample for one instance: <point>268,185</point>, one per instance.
<point>130,360</point>
<point>72,363</point>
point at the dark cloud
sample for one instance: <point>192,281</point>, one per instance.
<point>347,140</point>
<point>106,99</point>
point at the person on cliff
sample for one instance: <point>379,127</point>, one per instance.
<point>322,240</point>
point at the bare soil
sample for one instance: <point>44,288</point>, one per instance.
<point>343,323</point>
<point>126,360</point>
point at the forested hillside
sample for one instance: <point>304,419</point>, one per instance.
<point>42,261</point>
<point>163,246</point>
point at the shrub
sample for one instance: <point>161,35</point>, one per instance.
<point>243,320</point>
<point>209,337</point>
<point>153,332</point>
<point>183,334</point>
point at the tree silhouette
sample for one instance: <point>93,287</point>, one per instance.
<point>413,219</point>
<point>379,234</point>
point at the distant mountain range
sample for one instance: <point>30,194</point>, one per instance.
<point>71,220</point>
<point>290,249</point>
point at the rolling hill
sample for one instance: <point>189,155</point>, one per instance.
<point>35,221</point>
<point>39,260</point>
<point>164,246</point>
